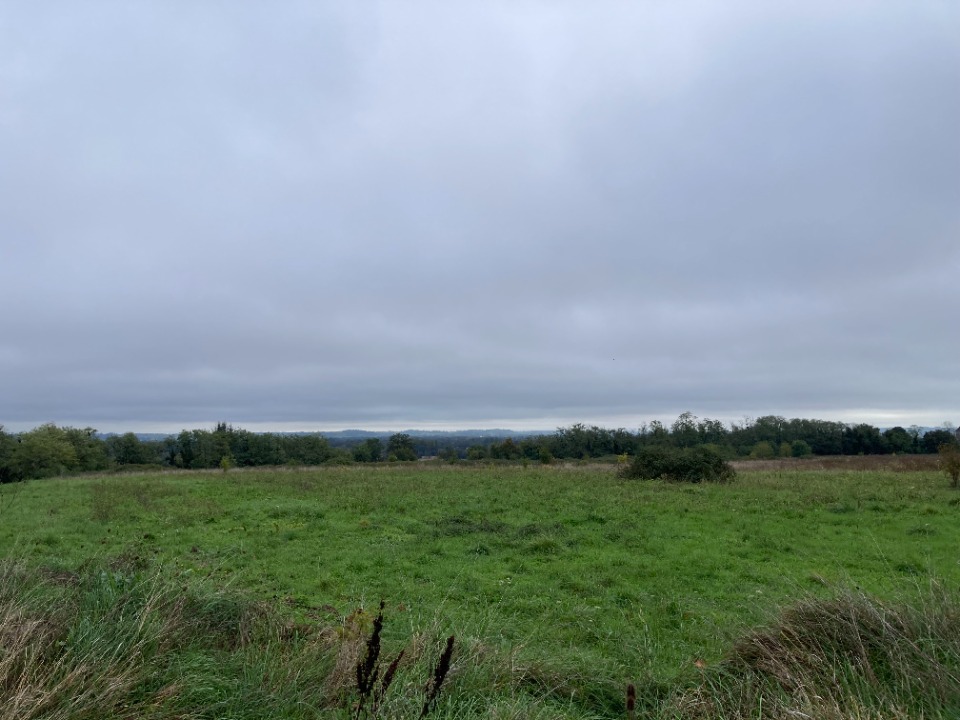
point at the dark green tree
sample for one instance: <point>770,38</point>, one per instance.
<point>933,439</point>
<point>310,449</point>
<point>127,449</point>
<point>684,432</point>
<point>8,446</point>
<point>800,449</point>
<point>370,450</point>
<point>862,439</point>
<point>898,440</point>
<point>507,450</point>
<point>401,447</point>
<point>658,434</point>
<point>477,452</point>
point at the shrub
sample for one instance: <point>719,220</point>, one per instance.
<point>801,449</point>
<point>762,451</point>
<point>694,465</point>
<point>950,463</point>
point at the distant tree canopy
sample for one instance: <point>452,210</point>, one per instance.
<point>49,450</point>
<point>401,447</point>
<point>933,440</point>
<point>370,450</point>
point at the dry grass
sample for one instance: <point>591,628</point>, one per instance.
<point>890,463</point>
<point>52,667</point>
<point>114,644</point>
<point>848,658</point>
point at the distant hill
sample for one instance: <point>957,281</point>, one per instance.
<point>143,437</point>
<point>340,436</point>
<point>357,434</point>
<point>494,433</point>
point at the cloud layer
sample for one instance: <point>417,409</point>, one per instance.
<point>386,214</point>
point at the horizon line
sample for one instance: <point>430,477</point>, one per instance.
<point>878,418</point>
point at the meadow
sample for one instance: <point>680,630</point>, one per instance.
<point>561,583</point>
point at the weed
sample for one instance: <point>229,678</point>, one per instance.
<point>432,689</point>
<point>370,695</point>
<point>369,668</point>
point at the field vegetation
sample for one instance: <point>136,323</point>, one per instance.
<point>254,593</point>
<point>48,450</point>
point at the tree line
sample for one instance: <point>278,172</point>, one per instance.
<point>766,437</point>
<point>50,450</point>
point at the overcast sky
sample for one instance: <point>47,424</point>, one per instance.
<point>308,215</point>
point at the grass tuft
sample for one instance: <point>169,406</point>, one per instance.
<point>848,657</point>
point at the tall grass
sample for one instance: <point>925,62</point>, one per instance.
<point>73,654</point>
<point>114,643</point>
<point>850,657</point>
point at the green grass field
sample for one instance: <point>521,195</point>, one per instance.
<point>568,580</point>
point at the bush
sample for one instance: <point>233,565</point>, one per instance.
<point>950,463</point>
<point>694,465</point>
<point>762,451</point>
<point>801,449</point>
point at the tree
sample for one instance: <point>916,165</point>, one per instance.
<point>658,433</point>
<point>8,445</point>
<point>769,428</point>
<point>477,452</point>
<point>862,439</point>
<point>313,449</point>
<point>370,450</point>
<point>90,451</point>
<point>933,439</point>
<point>684,430</point>
<point>507,450</point>
<point>401,447</point>
<point>572,442</point>
<point>712,432</point>
<point>43,452</point>
<point>898,440</point>
<point>127,449</point>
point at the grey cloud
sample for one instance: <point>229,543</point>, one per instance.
<point>459,214</point>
